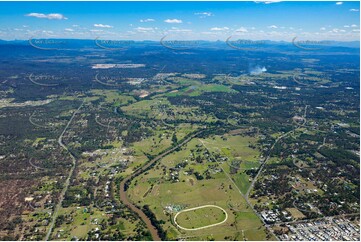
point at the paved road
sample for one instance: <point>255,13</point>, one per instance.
<point>123,194</point>
<point>227,175</point>
<point>265,161</point>
<point>240,192</point>
<point>67,182</point>
<point>246,196</point>
<point>269,153</point>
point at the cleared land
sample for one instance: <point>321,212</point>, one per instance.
<point>200,217</point>
<point>168,197</point>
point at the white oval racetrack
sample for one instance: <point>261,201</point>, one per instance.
<point>204,227</point>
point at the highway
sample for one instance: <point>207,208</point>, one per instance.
<point>67,181</point>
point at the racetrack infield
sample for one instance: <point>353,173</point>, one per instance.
<point>200,217</point>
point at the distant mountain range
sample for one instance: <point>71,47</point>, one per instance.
<point>203,43</point>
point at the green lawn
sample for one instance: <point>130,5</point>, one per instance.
<point>200,217</point>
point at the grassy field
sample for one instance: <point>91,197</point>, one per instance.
<point>297,214</point>
<point>242,181</point>
<point>200,217</point>
<point>83,221</point>
<point>114,97</point>
<point>162,139</point>
<point>236,147</point>
<point>159,108</point>
<point>198,89</point>
<point>166,197</point>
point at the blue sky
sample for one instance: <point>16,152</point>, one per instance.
<point>181,20</point>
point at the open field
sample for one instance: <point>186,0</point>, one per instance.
<point>201,144</point>
<point>238,156</point>
<point>201,217</point>
<point>166,197</point>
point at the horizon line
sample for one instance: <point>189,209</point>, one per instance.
<point>218,40</point>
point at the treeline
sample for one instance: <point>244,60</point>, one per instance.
<point>340,156</point>
<point>157,224</point>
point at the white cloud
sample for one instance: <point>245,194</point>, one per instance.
<point>207,33</point>
<point>47,16</point>
<point>355,30</point>
<point>103,26</point>
<point>339,3</point>
<point>242,29</point>
<point>219,28</point>
<point>354,10</point>
<point>48,32</point>
<point>354,26</point>
<point>69,30</point>
<point>144,30</point>
<point>147,20</point>
<point>268,1</point>
<point>96,30</point>
<point>272,27</point>
<point>173,21</point>
<point>323,28</point>
<point>346,26</point>
<point>204,14</point>
<point>180,30</point>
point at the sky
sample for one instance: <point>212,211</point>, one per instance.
<point>276,20</point>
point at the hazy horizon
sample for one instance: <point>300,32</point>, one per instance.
<point>268,20</point>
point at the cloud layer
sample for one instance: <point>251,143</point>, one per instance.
<point>103,26</point>
<point>57,16</point>
<point>173,21</point>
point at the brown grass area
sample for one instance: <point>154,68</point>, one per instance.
<point>297,214</point>
<point>12,198</point>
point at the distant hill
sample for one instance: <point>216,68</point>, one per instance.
<point>89,43</point>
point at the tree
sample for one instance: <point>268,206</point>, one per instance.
<point>174,139</point>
